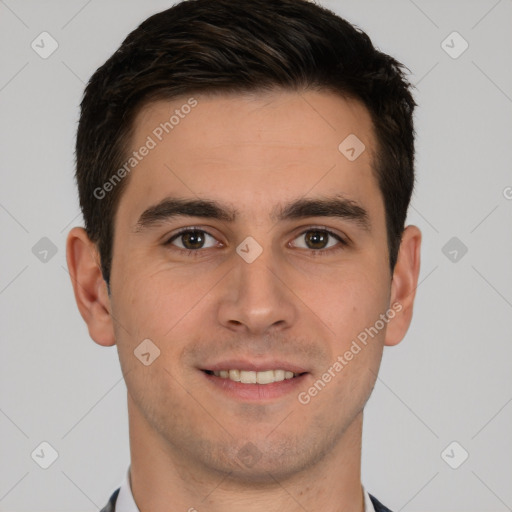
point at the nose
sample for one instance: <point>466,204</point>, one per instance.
<point>255,297</point>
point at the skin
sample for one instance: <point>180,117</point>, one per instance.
<point>250,152</point>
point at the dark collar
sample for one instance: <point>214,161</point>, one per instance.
<point>379,507</point>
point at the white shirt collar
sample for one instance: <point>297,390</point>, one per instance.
<point>368,505</point>
<point>126,503</point>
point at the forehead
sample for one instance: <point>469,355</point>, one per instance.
<point>261,148</point>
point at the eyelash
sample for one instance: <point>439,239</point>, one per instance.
<point>315,252</point>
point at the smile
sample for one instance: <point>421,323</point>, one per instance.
<point>253,377</point>
<point>255,386</point>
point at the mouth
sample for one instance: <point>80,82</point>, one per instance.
<point>255,382</point>
<point>264,377</point>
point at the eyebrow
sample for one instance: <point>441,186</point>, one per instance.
<point>336,206</point>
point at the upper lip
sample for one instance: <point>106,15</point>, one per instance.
<point>255,366</point>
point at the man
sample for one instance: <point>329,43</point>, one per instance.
<point>244,171</point>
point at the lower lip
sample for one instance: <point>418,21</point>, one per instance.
<point>256,392</point>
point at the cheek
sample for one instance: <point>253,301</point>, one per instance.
<point>157,302</point>
<point>355,303</point>
<point>350,300</point>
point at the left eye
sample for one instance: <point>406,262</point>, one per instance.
<point>318,239</point>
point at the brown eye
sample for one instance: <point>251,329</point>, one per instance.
<point>191,239</point>
<point>319,239</point>
<point>316,239</point>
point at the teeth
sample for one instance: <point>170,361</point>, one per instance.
<point>265,377</point>
<point>280,375</point>
<point>250,377</point>
<point>247,377</point>
<point>233,375</point>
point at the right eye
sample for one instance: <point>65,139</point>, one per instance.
<point>190,239</point>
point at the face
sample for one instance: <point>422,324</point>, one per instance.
<point>282,268</point>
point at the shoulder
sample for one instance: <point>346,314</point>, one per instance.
<point>111,505</point>
<point>379,507</point>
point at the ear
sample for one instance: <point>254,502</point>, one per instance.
<point>90,288</point>
<point>403,285</point>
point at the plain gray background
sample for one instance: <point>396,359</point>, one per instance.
<point>449,380</point>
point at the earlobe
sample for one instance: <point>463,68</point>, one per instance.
<point>403,286</point>
<point>89,287</point>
